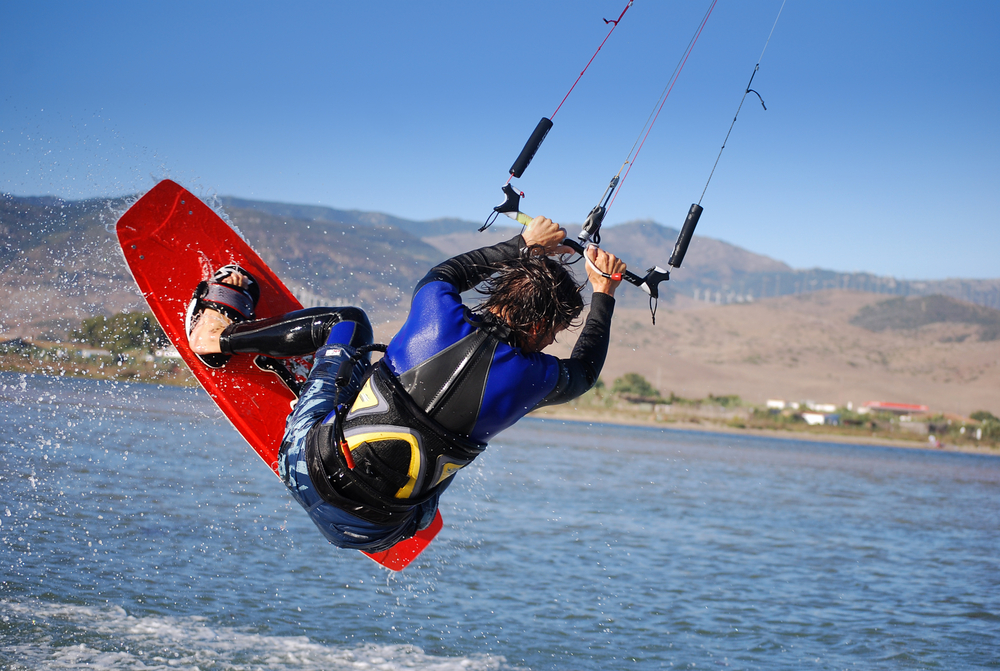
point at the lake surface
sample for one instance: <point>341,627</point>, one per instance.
<point>139,531</point>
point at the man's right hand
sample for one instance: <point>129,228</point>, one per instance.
<point>606,262</point>
<point>547,234</point>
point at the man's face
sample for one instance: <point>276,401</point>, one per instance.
<point>543,340</point>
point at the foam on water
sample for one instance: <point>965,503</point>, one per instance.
<point>110,638</point>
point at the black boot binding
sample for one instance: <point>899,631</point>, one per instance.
<point>235,302</point>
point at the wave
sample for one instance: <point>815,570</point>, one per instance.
<point>66,636</point>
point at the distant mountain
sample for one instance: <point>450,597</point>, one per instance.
<point>418,229</point>
<point>374,266</point>
<point>718,272</point>
<point>26,223</point>
<point>60,263</point>
<point>713,271</point>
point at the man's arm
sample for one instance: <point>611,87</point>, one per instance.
<point>469,269</point>
<point>580,372</point>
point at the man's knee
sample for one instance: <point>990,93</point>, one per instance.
<point>344,326</point>
<point>364,331</point>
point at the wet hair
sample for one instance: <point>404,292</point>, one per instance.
<point>532,291</point>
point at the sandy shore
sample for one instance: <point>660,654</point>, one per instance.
<point>580,416</point>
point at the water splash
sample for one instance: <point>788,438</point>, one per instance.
<point>111,638</point>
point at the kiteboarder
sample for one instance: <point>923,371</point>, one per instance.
<point>368,449</point>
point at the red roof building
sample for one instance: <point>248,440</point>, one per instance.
<point>898,408</point>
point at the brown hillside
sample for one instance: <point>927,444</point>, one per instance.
<point>805,348</point>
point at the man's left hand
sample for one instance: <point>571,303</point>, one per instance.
<point>547,234</point>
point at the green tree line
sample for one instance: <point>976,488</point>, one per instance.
<point>635,386</point>
<point>123,332</point>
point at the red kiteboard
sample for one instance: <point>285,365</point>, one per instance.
<point>172,241</point>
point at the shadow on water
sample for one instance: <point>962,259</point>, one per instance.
<point>138,530</point>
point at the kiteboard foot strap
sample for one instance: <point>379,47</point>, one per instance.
<point>236,303</point>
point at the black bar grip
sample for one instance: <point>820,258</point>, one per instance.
<point>530,147</point>
<point>684,237</point>
<point>632,278</point>
<point>574,245</point>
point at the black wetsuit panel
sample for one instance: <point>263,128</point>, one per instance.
<point>296,333</point>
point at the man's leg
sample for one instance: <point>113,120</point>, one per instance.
<point>319,398</point>
<point>298,333</point>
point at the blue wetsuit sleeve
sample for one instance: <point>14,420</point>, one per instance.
<point>469,269</point>
<point>579,373</point>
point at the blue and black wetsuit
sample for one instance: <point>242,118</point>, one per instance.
<point>449,381</point>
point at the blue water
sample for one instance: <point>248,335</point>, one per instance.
<point>138,531</point>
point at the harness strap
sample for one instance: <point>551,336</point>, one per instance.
<point>371,487</point>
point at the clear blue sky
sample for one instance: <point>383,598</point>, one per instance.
<point>879,150</point>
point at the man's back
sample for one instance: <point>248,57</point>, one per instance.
<point>459,372</point>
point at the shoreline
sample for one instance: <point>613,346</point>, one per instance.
<point>180,377</point>
<point>72,364</point>
<point>580,417</point>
